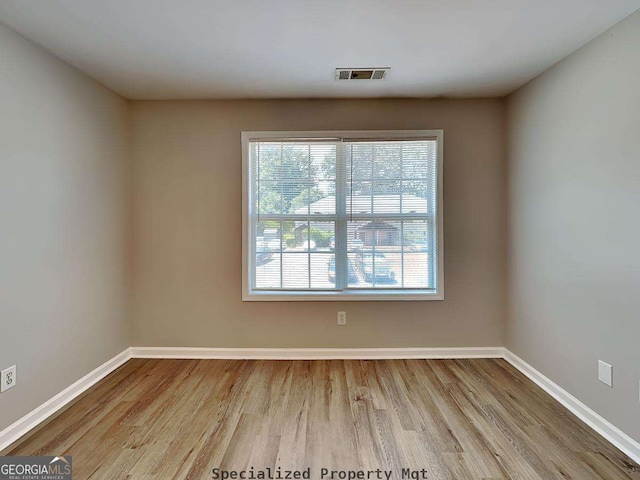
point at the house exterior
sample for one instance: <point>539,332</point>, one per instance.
<point>372,232</point>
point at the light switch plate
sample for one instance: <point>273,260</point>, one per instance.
<point>605,373</point>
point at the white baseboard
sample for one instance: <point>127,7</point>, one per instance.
<point>610,432</point>
<point>32,419</point>
<point>316,353</point>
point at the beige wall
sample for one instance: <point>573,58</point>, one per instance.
<point>187,228</point>
<point>574,236</point>
<point>63,222</point>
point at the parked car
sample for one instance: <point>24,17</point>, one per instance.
<point>351,272</point>
<point>332,243</point>
<point>263,254</point>
<point>378,269</point>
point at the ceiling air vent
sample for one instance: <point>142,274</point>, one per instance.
<point>362,73</point>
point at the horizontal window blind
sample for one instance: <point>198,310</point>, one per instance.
<point>340,215</point>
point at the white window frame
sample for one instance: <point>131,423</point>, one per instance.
<point>248,294</point>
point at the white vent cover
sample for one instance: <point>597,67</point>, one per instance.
<point>362,73</point>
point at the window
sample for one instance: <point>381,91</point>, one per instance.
<point>342,215</point>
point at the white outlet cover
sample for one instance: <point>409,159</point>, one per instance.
<point>605,373</point>
<point>8,378</point>
<point>342,318</point>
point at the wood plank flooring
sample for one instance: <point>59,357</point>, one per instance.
<point>441,419</point>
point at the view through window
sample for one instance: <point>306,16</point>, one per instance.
<point>339,216</point>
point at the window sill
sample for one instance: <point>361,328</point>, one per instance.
<point>343,296</point>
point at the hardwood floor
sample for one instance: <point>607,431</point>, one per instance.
<point>442,419</point>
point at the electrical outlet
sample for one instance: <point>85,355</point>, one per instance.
<point>605,373</point>
<point>8,378</point>
<point>342,318</point>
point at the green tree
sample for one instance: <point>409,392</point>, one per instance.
<point>391,168</point>
<point>306,197</point>
<point>376,169</point>
<point>288,178</point>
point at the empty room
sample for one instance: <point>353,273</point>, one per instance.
<point>338,240</point>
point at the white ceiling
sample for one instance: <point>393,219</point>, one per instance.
<point>169,49</point>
